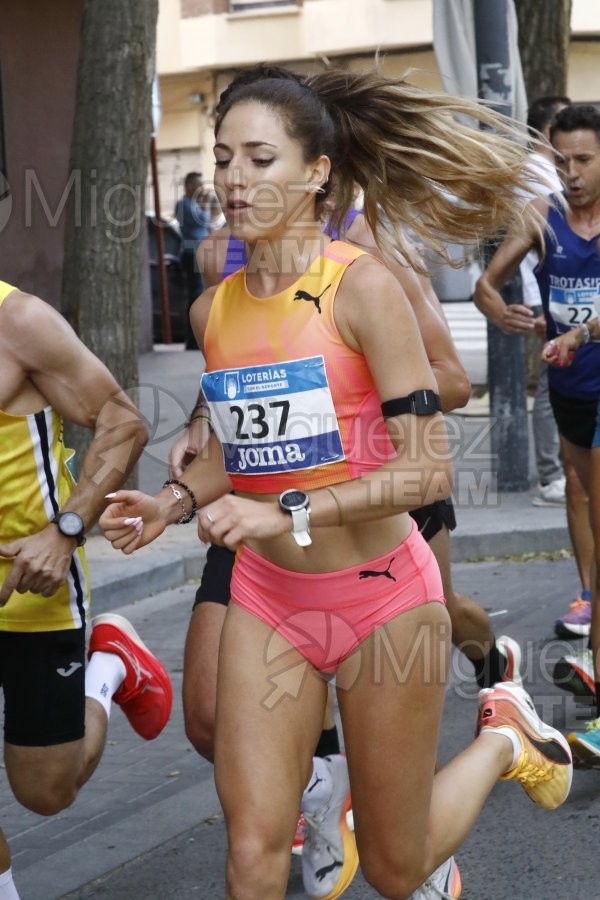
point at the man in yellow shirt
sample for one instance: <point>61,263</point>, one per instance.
<point>55,709</point>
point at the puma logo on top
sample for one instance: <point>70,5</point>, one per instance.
<point>373,573</point>
<point>304,295</point>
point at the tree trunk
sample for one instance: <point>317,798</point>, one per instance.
<point>109,161</point>
<point>544,33</point>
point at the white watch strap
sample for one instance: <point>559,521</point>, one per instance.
<point>301,527</point>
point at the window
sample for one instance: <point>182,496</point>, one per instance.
<point>236,6</point>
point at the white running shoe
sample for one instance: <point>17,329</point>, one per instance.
<point>298,843</point>
<point>329,856</point>
<point>551,494</point>
<point>444,883</point>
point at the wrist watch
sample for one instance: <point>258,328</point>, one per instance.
<point>297,504</point>
<point>71,525</point>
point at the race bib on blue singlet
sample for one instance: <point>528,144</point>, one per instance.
<point>274,418</point>
<point>570,306</point>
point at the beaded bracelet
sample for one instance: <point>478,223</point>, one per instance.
<point>199,416</point>
<point>185,516</point>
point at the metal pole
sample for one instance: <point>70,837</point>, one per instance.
<point>506,353</point>
<point>163,284</point>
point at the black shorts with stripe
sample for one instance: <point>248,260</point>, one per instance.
<point>43,678</point>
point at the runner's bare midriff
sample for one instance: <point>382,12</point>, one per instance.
<point>332,548</point>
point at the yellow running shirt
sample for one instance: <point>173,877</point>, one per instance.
<point>34,483</point>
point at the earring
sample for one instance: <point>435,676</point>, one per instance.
<point>315,189</point>
<point>320,190</point>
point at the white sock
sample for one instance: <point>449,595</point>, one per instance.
<point>8,890</point>
<point>104,675</point>
<point>319,787</point>
<point>513,737</point>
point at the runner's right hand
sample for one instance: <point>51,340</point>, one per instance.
<point>132,520</point>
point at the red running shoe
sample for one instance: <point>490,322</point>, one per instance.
<point>146,695</point>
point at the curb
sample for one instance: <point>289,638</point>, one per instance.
<point>118,580</point>
<point>475,547</point>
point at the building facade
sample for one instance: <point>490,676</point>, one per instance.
<point>39,50</point>
<point>203,43</point>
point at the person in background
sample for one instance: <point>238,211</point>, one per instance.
<point>558,481</point>
<point>551,476</point>
<point>568,275</point>
<point>195,223</point>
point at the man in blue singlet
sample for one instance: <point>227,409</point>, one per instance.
<point>569,280</point>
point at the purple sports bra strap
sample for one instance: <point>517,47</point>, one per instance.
<point>334,233</point>
<point>235,257</point>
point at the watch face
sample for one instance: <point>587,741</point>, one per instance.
<point>71,524</point>
<point>292,500</point>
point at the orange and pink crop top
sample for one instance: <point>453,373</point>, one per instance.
<point>291,403</point>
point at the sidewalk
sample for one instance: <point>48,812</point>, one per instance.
<point>489,523</point>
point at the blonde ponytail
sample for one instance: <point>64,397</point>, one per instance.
<point>420,167</point>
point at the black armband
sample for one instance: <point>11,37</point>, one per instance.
<point>419,403</point>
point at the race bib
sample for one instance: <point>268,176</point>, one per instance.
<point>572,307</point>
<point>274,418</point>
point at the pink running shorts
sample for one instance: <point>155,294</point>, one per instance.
<point>326,616</point>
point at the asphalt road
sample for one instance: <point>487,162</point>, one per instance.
<point>166,839</point>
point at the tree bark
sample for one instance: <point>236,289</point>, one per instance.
<point>109,161</point>
<point>544,33</point>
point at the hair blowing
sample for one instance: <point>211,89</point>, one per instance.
<point>418,166</point>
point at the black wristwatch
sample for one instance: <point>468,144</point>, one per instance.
<point>297,504</point>
<point>71,525</point>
